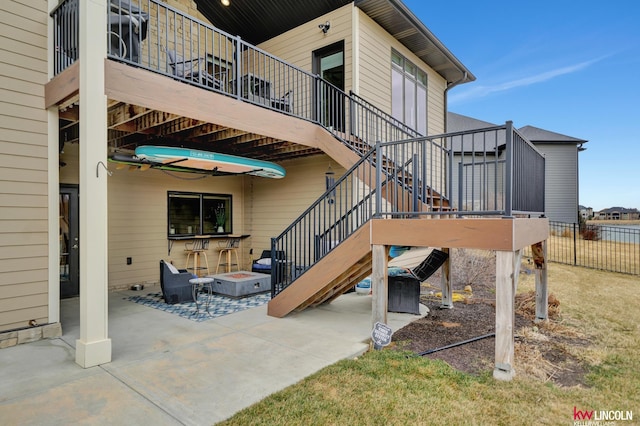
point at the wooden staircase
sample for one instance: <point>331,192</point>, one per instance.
<point>362,148</point>
<point>346,264</point>
<point>341,269</point>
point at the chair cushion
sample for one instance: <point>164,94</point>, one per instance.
<point>172,268</point>
<point>397,271</point>
<point>260,267</point>
<point>264,261</point>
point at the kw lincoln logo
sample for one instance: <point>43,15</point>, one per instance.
<point>600,417</point>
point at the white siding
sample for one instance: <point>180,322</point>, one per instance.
<point>23,164</point>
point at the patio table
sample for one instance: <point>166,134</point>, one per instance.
<point>205,284</point>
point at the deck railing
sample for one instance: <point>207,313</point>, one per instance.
<point>406,179</point>
<point>152,35</point>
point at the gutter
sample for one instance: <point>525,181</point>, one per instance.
<point>421,27</point>
<point>451,85</point>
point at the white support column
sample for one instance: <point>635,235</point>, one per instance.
<point>505,298</point>
<point>53,189</point>
<point>542,295</point>
<point>94,346</point>
<point>445,282</point>
<point>379,284</point>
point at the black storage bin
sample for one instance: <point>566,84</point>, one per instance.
<point>404,295</point>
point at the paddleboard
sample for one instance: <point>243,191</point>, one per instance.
<point>185,159</point>
<point>132,160</point>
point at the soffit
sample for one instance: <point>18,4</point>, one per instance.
<point>258,21</point>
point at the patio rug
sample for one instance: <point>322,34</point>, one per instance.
<point>219,305</point>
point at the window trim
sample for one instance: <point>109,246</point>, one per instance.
<point>409,72</point>
<point>226,199</point>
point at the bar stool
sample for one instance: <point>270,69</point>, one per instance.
<point>197,248</point>
<point>227,249</point>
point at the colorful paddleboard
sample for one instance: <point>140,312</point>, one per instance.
<point>185,159</point>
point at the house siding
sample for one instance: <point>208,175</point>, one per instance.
<point>561,185</point>
<point>296,46</point>
<point>262,208</point>
<point>23,165</point>
<point>375,46</point>
<point>275,204</point>
<point>137,217</point>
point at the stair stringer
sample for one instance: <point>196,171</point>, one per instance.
<point>343,267</point>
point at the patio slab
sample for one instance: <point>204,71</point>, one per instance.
<point>169,370</point>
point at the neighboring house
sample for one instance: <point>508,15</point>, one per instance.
<point>323,84</point>
<point>585,212</point>
<point>561,154</point>
<point>618,213</point>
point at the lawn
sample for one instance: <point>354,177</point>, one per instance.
<point>389,387</point>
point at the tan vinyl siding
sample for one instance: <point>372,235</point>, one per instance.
<point>375,72</point>
<point>375,63</point>
<point>23,164</point>
<point>296,46</point>
<point>137,217</point>
<point>275,203</point>
<point>137,201</point>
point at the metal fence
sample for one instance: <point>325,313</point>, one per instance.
<point>608,248</point>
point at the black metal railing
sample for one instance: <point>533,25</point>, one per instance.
<point>66,35</point>
<point>404,179</point>
<point>595,246</point>
<point>155,36</point>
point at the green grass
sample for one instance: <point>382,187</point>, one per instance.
<point>393,388</point>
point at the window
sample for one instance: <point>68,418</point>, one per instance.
<point>408,93</point>
<point>198,214</point>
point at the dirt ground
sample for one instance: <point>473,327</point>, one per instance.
<point>542,351</point>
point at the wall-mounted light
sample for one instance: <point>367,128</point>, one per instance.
<point>325,27</point>
<point>225,2</point>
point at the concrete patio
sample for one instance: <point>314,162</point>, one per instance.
<point>168,370</point>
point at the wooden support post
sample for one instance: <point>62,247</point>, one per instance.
<point>379,284</point>
<point>539,251</point>
<point>505,298</point>
<point>445,283</point>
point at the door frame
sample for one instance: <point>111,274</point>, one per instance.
<point>336,118</point>
<point>71,287</point>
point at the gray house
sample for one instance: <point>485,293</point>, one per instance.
<point>561,175</point>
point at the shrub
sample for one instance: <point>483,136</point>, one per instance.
<point>590,232</point>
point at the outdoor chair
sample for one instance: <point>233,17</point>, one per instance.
<point>284,103</point>
<point>128,27</point>
<point>175,284</point>
<point>264,266</point>
<point>194,69</point>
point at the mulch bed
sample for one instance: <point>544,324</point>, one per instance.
<point>540,349</point>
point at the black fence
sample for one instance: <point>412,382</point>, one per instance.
<point>608,248</point>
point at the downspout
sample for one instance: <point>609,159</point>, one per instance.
<point>449,165</point>
<point>446,97</point>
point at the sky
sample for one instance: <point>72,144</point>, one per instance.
<point>570,67</point>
